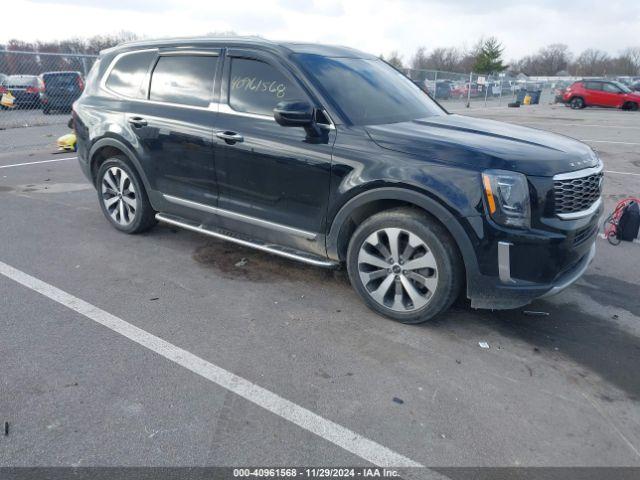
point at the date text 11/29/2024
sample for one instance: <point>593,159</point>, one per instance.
<point>316,472</point>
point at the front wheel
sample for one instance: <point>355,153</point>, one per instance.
<point>404,265</point>
<point>576,103</point>
<point>122,197</point>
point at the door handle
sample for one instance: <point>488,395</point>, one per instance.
<point>137,122</point>
<point>230,137</point>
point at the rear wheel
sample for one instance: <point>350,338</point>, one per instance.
<point>122,197</point>
<point>632,106</point>
<point>577,103</point>
<point>404,265</point>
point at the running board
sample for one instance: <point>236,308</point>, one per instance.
<point>286,252</point>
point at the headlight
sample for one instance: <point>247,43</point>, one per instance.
<point>507,195</point>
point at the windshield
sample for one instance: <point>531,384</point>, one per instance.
<point>368,92</point>
<point>622,87</point>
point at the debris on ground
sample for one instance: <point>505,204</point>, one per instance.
<point>242,262</point>
<point>153,299</point>
<point>398,400</point>
<point>483,344</point>
<point>533,313</point>
<point>458,361</point>
<point>6,428</point>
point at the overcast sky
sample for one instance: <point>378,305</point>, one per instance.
<point>375,26</point>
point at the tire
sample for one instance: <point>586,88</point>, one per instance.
<point>122,197</point>
<point>389,287</point>
<point>632,106</point>
<point>577,103</point>
<point>46,111</point>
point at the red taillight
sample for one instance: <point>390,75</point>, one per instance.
<point>31,90</point>
<point>80,83</point>
<point>3,90</point>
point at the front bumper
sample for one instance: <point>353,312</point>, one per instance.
<point>505,293</point>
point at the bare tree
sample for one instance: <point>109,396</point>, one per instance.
<point>447,59</point>
<point>628,63</point>
<point>592,62</point>
<point>420,60</point>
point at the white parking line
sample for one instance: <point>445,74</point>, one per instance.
<point>609,141</point>
<point>561,124</point>
<point>343,437</point>
<point>41,161</point>
<point>622,173</point>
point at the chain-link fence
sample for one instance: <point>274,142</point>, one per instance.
<point>457,90</point>
<point>38,88</point>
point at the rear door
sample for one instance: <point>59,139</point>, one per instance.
<point>594,94</point>
<point>175,126</point>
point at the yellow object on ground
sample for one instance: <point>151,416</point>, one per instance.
<point>67,142</point>
<point>7,100</point>
<point>527,100</point>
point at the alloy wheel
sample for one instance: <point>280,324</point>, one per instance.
<point>398,269</point>
<point>119,196</point>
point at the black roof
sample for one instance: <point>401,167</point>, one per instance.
<point>234,41</point>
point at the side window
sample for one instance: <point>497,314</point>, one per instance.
<point>257,87</point>
<point>128,73</point>
<point>610,88</point>
<point>184,79</point>
<point>593,85</point>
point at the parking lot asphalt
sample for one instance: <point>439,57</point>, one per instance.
<point>552,390</point>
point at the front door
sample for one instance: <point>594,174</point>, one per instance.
<point>275,177</point>
<point>175,126</point>
<point>611,95</point>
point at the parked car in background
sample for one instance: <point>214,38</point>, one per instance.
<point>601,93</point>
<point>24,89</point>
<point>635,87</point>
<point>558,90</point>
<point>2,78</point>
<point>462,90</point>
<point>58,90</point>
<point>329,156</point>
<point>440,89</point>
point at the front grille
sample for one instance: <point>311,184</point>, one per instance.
<point>576,194</point>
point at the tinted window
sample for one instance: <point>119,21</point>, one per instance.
<point>128,73</point>
<point>367,91</point>
<point>61,80</point>
<point>610,88</point>
<point>257,87</point>
<point>187,80</point>
<point>593,85</point>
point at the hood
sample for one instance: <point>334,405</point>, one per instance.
<point>456,139</point>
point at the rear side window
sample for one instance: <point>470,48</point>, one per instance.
<point>257,87</point>
<point>184,79</point>
<point>593,85</point>
<point>128,73</point>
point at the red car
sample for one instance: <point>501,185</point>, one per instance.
<point>601,93</point>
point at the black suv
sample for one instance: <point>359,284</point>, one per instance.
<point>328,155</point>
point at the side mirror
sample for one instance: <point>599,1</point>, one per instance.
<point>293,114</point>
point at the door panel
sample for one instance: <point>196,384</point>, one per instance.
<point>175,127</point>
<point>275,174</point>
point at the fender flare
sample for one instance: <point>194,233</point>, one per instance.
<point>114,142</point>
<point>431,206</point>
